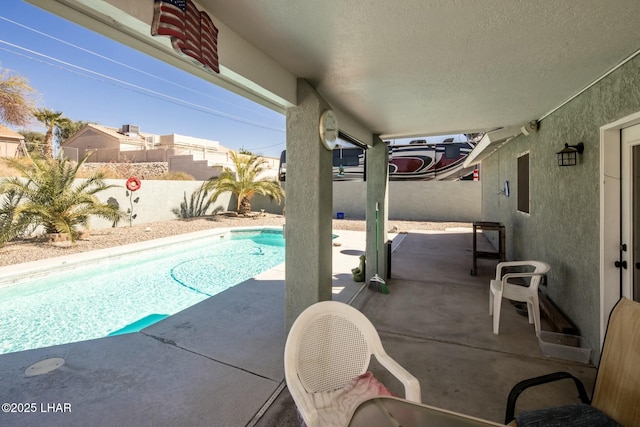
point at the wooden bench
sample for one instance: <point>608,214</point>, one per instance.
<point>556,319</point>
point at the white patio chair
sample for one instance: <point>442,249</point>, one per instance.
<point>501,287</point>
<point>329,345</point>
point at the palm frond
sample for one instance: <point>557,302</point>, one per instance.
<point>53,198</point>
<point>244,182</point>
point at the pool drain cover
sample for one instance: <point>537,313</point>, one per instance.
<point>44,366</point>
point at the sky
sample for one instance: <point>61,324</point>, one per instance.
<point>92,78</point>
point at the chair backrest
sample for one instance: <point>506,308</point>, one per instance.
<point>329,344</point>
<point>539,268</point>
<point>617,388</point>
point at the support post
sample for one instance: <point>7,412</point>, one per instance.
<point>377,159</point>
<point>309,206</point>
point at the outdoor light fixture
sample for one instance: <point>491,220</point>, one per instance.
<point>568,156</point>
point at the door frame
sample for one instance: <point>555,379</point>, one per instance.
<point>610,215</point>
<point>628,206</point>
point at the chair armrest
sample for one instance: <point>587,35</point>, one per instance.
<point>512,275</point>
<point>410,383</point>
<point>543,379</point>
<point>503,264</point>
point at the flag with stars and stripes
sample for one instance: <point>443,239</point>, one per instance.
<point>192,31</point>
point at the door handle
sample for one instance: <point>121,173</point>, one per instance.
<point>623,264</point>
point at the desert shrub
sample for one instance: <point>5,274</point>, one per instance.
<point>6,169</point>
<point>175,176</point>
<point>196,206</point>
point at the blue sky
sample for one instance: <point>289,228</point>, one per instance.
<point>28,47</point>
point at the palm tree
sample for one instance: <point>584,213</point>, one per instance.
<point>68,128</point>
<point>48,195</point>
<point>244,182</point>
<point>51,119</point>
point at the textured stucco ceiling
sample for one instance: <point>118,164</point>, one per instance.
<point>430,67</point>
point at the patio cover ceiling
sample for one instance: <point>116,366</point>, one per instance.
<point>431,67</point>
<point>434,67</point>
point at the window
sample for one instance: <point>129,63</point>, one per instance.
<point>523,183</point>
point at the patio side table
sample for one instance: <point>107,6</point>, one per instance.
<point>490,226</point>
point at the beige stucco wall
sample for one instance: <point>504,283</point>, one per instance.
<point>8,148</point>
<point>563,225</point>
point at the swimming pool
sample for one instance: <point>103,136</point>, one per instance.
<point>95,299</point>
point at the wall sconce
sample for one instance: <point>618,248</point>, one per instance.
<point>505,191</point>
<point>568,156</point>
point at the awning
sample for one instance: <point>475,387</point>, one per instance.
<point>490,143</point>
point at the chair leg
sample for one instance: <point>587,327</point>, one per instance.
<point>530,314</point>
<point>497,301</point>
<point>536,313</point>
<point>491,302</point>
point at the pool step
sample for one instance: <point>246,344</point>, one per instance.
<point>139,324</point>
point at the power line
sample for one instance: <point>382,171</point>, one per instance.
<point>122,64</point>
<point>132,87</point>
<point>269,146</point>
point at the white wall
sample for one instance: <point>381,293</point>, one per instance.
<point>415,200</point>
<point>156,200</point>
<point>425,200</point>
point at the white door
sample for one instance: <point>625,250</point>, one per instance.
<point>630,212</point>
<point>619,243</point>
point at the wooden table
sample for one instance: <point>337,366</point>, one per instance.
<point>387,411</point>
<point>490,226</point>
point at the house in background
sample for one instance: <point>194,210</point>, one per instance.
<point>200,158</point>
<point>10,142</point>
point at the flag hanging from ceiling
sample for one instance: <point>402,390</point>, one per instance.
<point>192,31</point>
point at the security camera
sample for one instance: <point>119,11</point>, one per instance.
<point>530,127</point>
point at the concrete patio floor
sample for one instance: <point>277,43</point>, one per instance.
<point>219,363</point>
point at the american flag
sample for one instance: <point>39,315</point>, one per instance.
<point>192,32</point>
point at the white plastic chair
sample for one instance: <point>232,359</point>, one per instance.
<point>329,345</point>
<point>500,287</point>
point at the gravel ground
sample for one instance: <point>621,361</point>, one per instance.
<point>33,249</point>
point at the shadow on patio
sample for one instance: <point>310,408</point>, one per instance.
<point>220,362</point>
<point>435,322</point>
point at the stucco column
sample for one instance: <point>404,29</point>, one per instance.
<point>377,159</point>
<point>309,199</point>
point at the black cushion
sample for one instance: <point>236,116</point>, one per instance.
<point>579,415</point>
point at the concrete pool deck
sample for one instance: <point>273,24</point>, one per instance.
<point>220,362</point>
<point>215,363</point>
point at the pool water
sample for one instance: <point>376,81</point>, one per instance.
<point>98,301</point>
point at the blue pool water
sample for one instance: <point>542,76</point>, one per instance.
<point>105,298</point>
